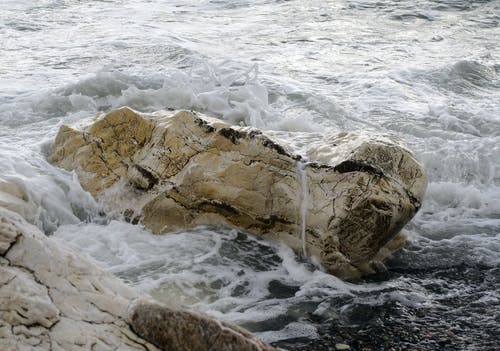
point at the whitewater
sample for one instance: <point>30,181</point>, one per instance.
<point>426,71</point>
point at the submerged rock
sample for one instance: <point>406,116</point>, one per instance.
<point>53,299</point>
<point>344,200</point>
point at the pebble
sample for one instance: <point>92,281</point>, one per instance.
<point>342,347</point>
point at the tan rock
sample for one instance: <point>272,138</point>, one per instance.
<point>343,201</point>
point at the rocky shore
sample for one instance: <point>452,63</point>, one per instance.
<point>343,202</point>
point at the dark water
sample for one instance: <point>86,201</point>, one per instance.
<point>461,316</point>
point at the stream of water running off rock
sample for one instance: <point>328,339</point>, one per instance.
<point>303,200</point>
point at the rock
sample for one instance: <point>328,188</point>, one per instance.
<point>343,201</point>
<point>53,299</point>
<point>14,196</point>
<point>163,325</point>
<point>340,346</point>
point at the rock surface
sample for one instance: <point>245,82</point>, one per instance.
<point>180,330</point>
<point>343,201</point>
<point>53,299</point>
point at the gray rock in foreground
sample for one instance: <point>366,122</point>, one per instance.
<point>344,201</point>
<point>180,330</point>
<point>53,299</point>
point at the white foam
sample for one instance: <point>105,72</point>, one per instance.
<point>224,273</point>
<point>54,196</point>
<point>290,331</point>
<point>459,209</point>
<point>234,94</point>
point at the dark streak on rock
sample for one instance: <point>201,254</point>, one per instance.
<point>98,143</point>
<point>223,207</point>
<point>151,179</point>
<point>272,145</point>
<point>414,201</point>
<point>234,135</point>
<point>357,166</point>
<point>130,216</point>
<point>204,125</point>
<point>317,165</point>
<point>254,132</point>
<point>231,134</point>
<point>12,244</point>
<point>313,233</point>
<point>273,219</point>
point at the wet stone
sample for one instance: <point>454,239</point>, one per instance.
<point>345,206</point>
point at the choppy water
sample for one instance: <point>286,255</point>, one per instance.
<point>428,71</point>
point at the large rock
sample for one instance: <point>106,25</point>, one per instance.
<point>53,299</point>
<point>343,201</point>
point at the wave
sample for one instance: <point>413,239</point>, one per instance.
<point>228,90</point>
<point>463,77</point>
<point>47,197</point>
<point>257,284</point>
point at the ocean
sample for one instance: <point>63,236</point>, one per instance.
<point>427,71</point>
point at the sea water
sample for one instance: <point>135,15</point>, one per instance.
<point>427,71</point>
